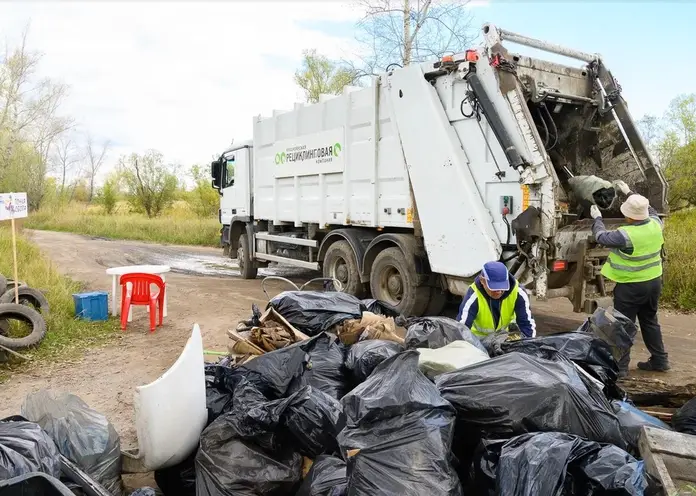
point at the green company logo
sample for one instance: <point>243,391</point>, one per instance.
<point>336,149</point>
<point>280,158</point>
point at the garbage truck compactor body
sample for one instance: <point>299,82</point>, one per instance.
<point>406,188</point>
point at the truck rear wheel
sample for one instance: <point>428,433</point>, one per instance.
<point>394,280</point>
<point>247,268</point>
<point>437,303</point>
<point>340,263</point>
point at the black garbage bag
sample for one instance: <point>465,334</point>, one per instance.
<point>632,421</point>
<point>614,328</point>
<point>555,464</point>
<point>326,371</point>
<point>380,308</point>
<point>365,355</point>
<point>398,439</point>
<point>530,395</point>
<point>327,477</point>
<point>313,312</point>
<point>591,353</point>
<point>218,399</point>
<point>313,419</point>
<point>436,332</point>
<point>684,419</point>
<point>179,479</point>
<point>83,435</point>
<point>230,462</point>
<point>25,448</point>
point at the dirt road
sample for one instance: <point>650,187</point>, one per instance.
<point>204,288</point>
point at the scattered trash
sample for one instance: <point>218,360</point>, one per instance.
<point>26,448</point>
<point>313,312</point>
<point>364,356</point>
<point>614,328</point>
<point>398,414</point>
<point>632,421</point>
<point>327,477</point>
<point>531,395</point>
<point>370,326</point>
<point>263,333</point>
<point>684,419</point>
<point>380,308</point>
<point>436,332</point>
<point>553,463</point>
<point>82,435</point>
<point>590,352</point>
<point>455,355</point>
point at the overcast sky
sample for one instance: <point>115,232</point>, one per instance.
<point>186,78</point>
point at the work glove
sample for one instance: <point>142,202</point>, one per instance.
<point>595,213</point>
<point>621,186</point>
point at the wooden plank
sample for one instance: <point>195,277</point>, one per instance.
<point>654,392</point>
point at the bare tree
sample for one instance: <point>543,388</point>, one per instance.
<point>95,159</point>
<point>66,157</point>
<point>406,31</point>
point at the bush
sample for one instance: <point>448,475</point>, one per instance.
<point>680,266</point>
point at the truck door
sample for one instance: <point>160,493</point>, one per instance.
<point>235,188</point>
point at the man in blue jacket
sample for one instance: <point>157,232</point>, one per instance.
<point>494,301</point>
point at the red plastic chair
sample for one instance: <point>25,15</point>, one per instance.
<point>140,294</point>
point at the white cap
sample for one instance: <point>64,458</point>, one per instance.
<point>636,207</point>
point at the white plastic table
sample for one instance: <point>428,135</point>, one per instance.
<point>117,272</point>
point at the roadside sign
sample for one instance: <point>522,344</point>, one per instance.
<point>14,206</point>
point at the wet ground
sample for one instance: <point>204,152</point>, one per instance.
<point>205,288</point>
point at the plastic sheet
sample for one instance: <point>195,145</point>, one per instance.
<point>590,352</point>
<point>364,356</point>
<point>632,420</point>
<point>327,477</point>
<point>436,332</point>
<point>684,419</point>
<point>399,435</point>
<point>313,312</point>
<point>455,355</point>
<point>614,328</point>
<point>380,308</point>
<point>555,464</point>
<point>26,448</point>
<point>82,435</point>
<point>515,394</point>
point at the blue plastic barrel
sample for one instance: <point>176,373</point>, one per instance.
<point>92,306</point>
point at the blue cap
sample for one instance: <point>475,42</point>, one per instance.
<point>496,276</point>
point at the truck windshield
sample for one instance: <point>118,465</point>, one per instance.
<point>229,176</point>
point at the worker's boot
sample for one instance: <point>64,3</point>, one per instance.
<point>652,366</point>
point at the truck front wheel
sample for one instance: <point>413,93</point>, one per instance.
<point>340,263</point>
<point>247,268</point>
<point>394,280</point>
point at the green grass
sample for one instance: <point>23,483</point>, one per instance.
<point>177,226</point>
<point>680,269</point>
<point>67,337</point>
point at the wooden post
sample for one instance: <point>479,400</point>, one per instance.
<point>14,258</point>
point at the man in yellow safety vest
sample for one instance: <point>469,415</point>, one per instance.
<point>494,301</point>
<point>635,264</point>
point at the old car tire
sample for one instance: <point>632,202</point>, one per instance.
<point>27,296</point>
<point>394,280</point>
<point>340,263</point>
<point>247,268</point>
<point>26,314</point>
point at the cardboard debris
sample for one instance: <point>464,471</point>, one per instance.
<point>370,326</point>
<point>274,333</point>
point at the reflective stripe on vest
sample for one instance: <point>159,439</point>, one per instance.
<point>484,323</point>
<point>645,263</point>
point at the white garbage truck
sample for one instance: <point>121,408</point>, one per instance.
<point>404,189</point>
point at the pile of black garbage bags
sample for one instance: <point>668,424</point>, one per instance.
<point>541,416</point>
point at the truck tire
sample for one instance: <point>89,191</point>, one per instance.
<point>340,263</point>
<point>27,296</point>
<point>25,314</point>
<point>394,280</point>
<point>247,268</point>
<point>438,300</point>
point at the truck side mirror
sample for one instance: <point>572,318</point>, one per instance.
<point>216,173</point>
